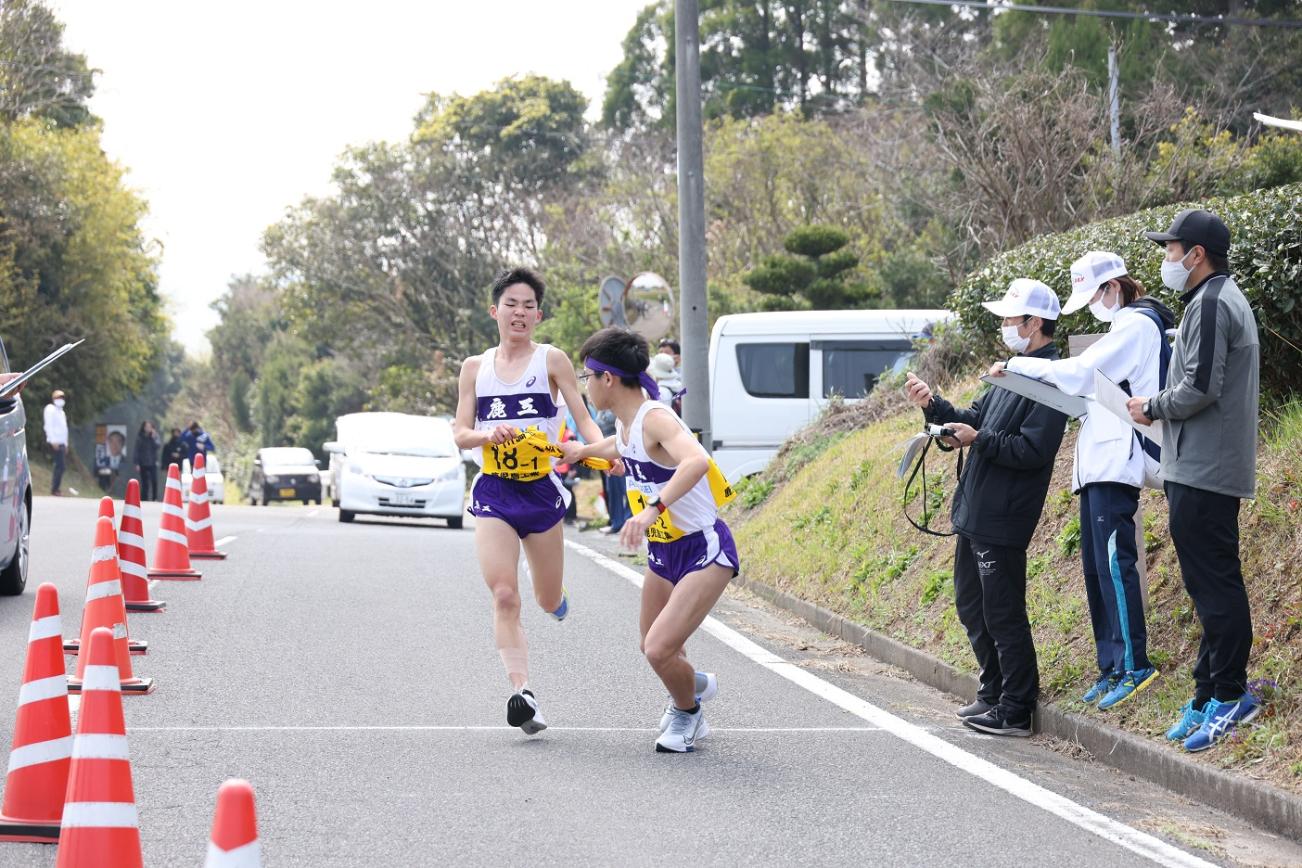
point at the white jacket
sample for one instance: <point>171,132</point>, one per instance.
<point>56,426</point>
<point>1106,450</point>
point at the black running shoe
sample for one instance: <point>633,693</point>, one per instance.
<point>977,708</point>
<point>522,711</point>
<point>995,722</point>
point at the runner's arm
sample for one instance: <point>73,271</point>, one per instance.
<point>662,429</point>
<point>604,448</point>
<point>561,371</point>
<point>463,423</point>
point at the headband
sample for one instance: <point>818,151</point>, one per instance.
<point>648,382</point>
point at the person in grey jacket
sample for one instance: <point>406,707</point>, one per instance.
<point>1209,416</point>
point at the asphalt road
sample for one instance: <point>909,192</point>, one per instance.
<point>348,672</point>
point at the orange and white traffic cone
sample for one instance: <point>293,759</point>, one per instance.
<point>172,554</point>
<point>234,839</point>
<point>42,748</point>
<point>104,608</point>
<point>100,826</point>
<point>131,555</point>
<point>198,525</point>
<point>135,646</point>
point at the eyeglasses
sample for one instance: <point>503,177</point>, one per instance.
<point>583,378</point>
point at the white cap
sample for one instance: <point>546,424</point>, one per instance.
<point>662,367</point>
<point>1025,297</point>
<point>1089,273</point>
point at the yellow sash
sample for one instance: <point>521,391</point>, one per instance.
<point>663,528</point>
<point>527,457</point>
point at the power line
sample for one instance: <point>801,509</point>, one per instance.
<point>1289,23</point>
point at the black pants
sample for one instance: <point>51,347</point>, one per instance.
<point>990,594</point>
<point>1205,529</point>
<point>148,482</point>
<point>60,452</point>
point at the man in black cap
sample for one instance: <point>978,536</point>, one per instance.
<point>1209,413</point>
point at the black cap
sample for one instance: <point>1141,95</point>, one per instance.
<point>1195,226</point>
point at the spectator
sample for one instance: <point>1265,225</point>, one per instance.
<point>173,451</point>
<point>616,489</point>
<point>147,452</point>
<point>56,435</point>
<point>569,476</point>
<point>196,441</point>
<point>1110,464</point>
<point>671,347</point>
<point>1209,415</point>
<point>667,378</point>
<point>997,505</point>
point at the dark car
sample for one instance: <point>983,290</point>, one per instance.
<point>15,491</point>
<point>284,473</point>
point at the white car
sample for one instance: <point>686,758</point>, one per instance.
<point>212,474</point>
<point>397,464</point>
<point>15,491</point>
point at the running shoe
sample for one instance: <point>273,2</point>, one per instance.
<point>996,722</point>
<point>1187,725</point>
<point>977,708</point>
<point>522,711</point>
<point>564,608</point>
<point>707,687</point>
<point>1128,685</point>
<point>1100,689</point>
<point>1222,717</point>
<point>684,730</point>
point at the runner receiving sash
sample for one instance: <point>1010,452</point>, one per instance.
<point>510,407</point>
<point>674,490</point>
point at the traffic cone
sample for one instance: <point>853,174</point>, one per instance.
<point>135,646</point>
<point>100,826</point>
<point>172,554</point>
<point>42,747</point>
<point>131,555</point>
<point>198,524</point>
<point>234,839</point>
<point>104,608</point>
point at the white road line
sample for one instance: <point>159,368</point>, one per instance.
<point>1091,821</point>
<point>505,730</point>
<point>224,540</point>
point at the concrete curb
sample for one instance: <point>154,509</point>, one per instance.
<point>1268,807</point>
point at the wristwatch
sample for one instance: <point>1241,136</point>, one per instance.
<point>1148,409</point>
<point>657,503</point>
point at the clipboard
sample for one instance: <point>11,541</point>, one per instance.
<point>1041,393</point>
<point>10,389</point>
<point>1113,399</point>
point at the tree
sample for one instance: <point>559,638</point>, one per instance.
<point>816,275</point>
<point>38,77</point>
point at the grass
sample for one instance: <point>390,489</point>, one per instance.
<point>832,531</point>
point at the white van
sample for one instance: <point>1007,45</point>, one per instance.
<point>771,373</point>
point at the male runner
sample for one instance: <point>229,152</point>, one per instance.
<point>674,490</point>
<point>517,499</point>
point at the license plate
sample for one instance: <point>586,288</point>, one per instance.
<point>403,500</point>
<point>287,492</point>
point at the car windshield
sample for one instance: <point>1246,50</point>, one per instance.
<point>425,451</point>
<point>288,456</point>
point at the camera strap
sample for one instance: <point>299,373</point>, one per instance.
<point>921,468</point>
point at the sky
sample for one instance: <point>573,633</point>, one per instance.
<point>227,114</point>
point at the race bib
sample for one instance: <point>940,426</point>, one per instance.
<point>528,457</point>
<point>664,530</point>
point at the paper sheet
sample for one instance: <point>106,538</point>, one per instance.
<point>1113,399</point>
<point>9,389</point>
<point>1041,392</point>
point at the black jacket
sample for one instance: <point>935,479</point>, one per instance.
<point>1006,477</point>
<point>146,449</point>
<point>173,453</point>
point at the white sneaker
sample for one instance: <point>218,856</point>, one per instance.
<point>522,711</point>
<point>707,687</point>
<point>683,732</point>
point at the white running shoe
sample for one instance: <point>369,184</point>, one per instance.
<point>707,687</point>
<point>522,711</point>
<point>683,732</point>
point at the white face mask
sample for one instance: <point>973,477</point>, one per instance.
<point>1103,313</point>
<point>58,402</point>
<point>1174,273</point>
<point>1013,340</point>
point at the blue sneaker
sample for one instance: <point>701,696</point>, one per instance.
<point>1129,684</point>
<point>1222,717</point>
<point>1189,721</point>
<point>1100,688</point>
<point>564,608</point>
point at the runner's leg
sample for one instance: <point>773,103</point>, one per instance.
<point>546,554</point>
<point>499,553</point>
<point>689,602</point>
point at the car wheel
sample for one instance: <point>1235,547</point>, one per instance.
<point>13,578</point>
<point>456,523</point>
<point>346,516</point>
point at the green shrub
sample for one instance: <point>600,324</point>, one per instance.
<point>1265,259</point>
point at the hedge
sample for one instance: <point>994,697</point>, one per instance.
<point>1265,260</point>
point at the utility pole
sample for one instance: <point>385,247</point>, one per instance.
<point>693,312</point>
<point>1114,98</point>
